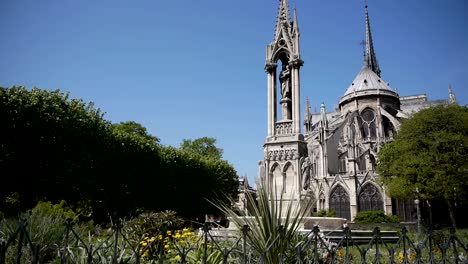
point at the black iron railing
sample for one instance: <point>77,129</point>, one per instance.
<point>202,246</point>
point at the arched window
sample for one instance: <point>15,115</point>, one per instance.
<point>276,178</point>
<point>370,198</point>
<point>339,202</point>
<point>368,124</point>
<point>321,201</point>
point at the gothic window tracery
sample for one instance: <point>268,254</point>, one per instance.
<point>339,202</point>
<point>370,198</point>
<point>368,127</point>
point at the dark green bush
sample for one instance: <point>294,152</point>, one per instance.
<point>367,217</point>
<point>45,225</point>
<point>325,213</point>
<point>152,223</point>
<point>100,169</point>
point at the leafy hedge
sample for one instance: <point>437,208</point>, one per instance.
<point>54,148</point>
<point>367,217</point>
<point>325,213</point>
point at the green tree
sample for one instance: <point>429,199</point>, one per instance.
<point>48,143</point>
<point>135,129</point>
<point>190,180</point>
<point>54,148</point>
<point>204,146</point>
<point>429,157</point>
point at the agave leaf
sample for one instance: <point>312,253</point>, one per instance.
<point>274,221</point>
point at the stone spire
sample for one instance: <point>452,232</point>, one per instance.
<point>283,18</point>
<point>323,116</point>
<point>286,35</point>
<point>452,99</point>
<point>370,59</point>
<point>283,54</point>
<point>308,117</point>
<point>295,23</point>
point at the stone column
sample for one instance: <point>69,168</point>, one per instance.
<point>296,92</point>
<point>293,99</point>
<point>297,103</point>
<point>270,106</point>
<point>353,198</point>
<point>270,69</point>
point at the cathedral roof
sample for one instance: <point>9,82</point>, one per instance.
<point>367,82</point>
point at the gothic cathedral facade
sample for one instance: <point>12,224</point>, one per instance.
<point>333,162</point>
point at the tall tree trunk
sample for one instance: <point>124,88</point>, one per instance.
<point>451,210</point>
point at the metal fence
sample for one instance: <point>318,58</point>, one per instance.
<point>204,246</point>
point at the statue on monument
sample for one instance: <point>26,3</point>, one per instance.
<point>285,81</point>
<point>305,172</point>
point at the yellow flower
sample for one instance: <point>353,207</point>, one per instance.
<point>400,257</point>
<point>143,243</point>
<point>177,257</point>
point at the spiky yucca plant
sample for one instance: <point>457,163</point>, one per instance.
<point>270,233</point>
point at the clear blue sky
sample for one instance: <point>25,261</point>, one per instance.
<point>188,69</point>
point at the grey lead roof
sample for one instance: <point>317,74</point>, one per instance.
<point>367,80</point>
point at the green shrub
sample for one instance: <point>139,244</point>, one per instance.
<point>325,213</point>
<point>153,223</point>
<point>269,220</point>
<point>11,205</point>
<point>393,219</point>
<point>45,225</point>
<point>368,217</point>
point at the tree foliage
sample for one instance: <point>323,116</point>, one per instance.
<point>429,155</point>
<point>53,148</point>
<point>204,146</point>
<point>135,129</point>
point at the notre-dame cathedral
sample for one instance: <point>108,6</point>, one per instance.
<point>330,157</point>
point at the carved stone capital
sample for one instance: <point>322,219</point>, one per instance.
<point>296,62</point>
<point>270,67</point>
